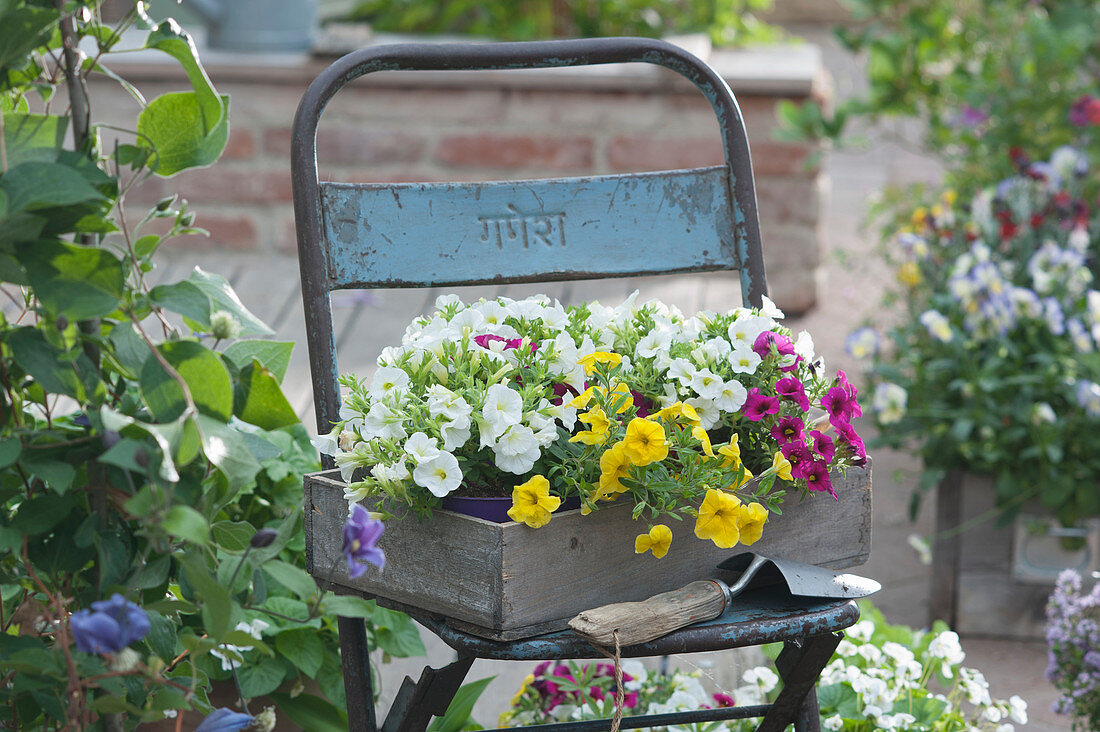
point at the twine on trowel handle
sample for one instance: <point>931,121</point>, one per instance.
<point>628,623</point>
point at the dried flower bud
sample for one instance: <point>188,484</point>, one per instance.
<point>224,326</point>
<point>62,322</point>
<point>125,660</point>
<point>265,720</point>
<point>263,537</point>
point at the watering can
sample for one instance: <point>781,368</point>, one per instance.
<point>258,25</point>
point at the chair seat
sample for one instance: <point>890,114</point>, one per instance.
<point>767,615</point>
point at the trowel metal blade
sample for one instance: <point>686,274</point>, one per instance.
<point>803,579</point>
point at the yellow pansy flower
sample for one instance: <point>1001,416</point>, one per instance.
<point>731,453</point>
<point>598,425</point>
<point>657,540</point>
<point>589,362</point>
<point>680,413</point>
<point>532,503</point>
<point>782,466</point>
<point>909,274</point>
<point>645,442</point>
<point>750,522</point>
<point>719,519</point>
<point>614,466</point>
<point>704,439</point>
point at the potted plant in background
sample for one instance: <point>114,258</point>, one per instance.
<point>150,466</point>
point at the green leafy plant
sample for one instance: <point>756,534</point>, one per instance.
<point>986,75</point>
<point>150,466</point>
<point>730,22</point>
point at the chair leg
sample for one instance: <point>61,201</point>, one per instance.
<point>799,666</point>
<point>809,714</point>
<point>358,684</point>
<point>416,703</point>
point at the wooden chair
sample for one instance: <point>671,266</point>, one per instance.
<point>437,234</point>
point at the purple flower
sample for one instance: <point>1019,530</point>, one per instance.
<point>791,388</point>
<point>799,456</point>
<point>486,339</point>
<point>852,443</point>
<point>224,720</point>
<point>817,477</point>
<point>109,626</point>
<point>970,116</point>
<point>765,340</point>
<point>788,429</point>
<point>361,533</point>
<point>1085,111</point>
<point>757,405</point>
<point>839,405</point>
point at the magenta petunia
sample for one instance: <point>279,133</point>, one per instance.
<point>851,443</point>
<point>765,340</point>
<point>824,445</point>
<point>644,405</point>
<point>787,429</point>
<point>486,339</point>
<point>724,700</point>
<point>757,405</point>
<point>630,699</point>
<point>792,389</point>
<point>817,477</point>
<point>839,405</point>
<point>799,456</point>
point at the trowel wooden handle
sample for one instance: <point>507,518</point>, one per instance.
<point>638,622</point>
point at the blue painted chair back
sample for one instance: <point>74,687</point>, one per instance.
<point>431,234</point>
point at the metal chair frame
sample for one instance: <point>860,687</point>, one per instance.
<point>331,257</point>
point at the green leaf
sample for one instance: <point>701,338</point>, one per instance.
<point>10,447</point>
<point>129,347</point>
<point>41,513</point>
<point>184,522</point>
<point>348,606</point>
<point>25,135</point>
<point>233,535</point>
<point>202,371</point>
<point>303,648</point>
<point>130,427</point>
<point>161,636</point>
<point>43,362</point>
<point>260,401</point>
<point>330,679</point>
<point>216,605</point>
<point>262,678</point>
<point>293,578</point>
<point>75,281</point>
<point>22,29</point>
<point>222,297</point>
<point>461,707</point>
<point>312,713</point>
<point>227,450</point>
<point>272,355</point>
<point>58,475</point>
<point>173,125</point>
<point>396,634</point>
<point>36,184</point>
<point>183,298</point>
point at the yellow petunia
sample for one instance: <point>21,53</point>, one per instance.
<point>719,519</point>
<point>645,442</point>
<point>614,466</point>
<point>617,393</point>
<point>657,540</point>
<point>704,439</point>
<point>598,425</point>
<point>909,274</point>
<point>731,453</point>
<point>751,522</point>
<point>589,362</point>
<point>581,400</point>
<point>679,413</point>
<point>746,475</point>
<point>532,503</point>
<point>527,681</point>
<point>782,466</point>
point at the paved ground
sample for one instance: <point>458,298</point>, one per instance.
<point>852,282</point>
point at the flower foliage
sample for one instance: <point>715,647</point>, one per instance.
<point>882,677</point>
<point>680,416</point>
<point>994,366</point>
<point>1073,639</point>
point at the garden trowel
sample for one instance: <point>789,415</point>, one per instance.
<point>639,622</point>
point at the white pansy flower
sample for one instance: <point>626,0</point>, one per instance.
<point>440,475</point>
<point>946,646</point>
<point>503,408</point>
<point>742,359</point>
<point>889,402</point>
<point>421,447</point>
<point>898,653</point>
<point>846,648</point>
<point>834,722</point>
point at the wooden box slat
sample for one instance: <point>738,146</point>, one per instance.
<point>508,581</point>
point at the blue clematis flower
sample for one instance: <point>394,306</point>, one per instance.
<point>224,720</point>
<point>109,626</point>
<point>361,533</point>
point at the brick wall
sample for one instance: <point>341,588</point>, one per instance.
<point>507,126</point>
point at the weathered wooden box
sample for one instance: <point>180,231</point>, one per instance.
<point>508,581</point>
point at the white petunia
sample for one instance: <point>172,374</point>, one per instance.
<point>742,359</point>
<point>762,676</point>
<point>770,309</point>
<point>440,475</point>
<point>517,450</point>
<point>804,346</point>
<point>654,342</point>
<point>503,408</point>
<point>421,447</point>
<point>384,421</point>
<point>731,397</point>
<point>442,402</point>
<point>388,383</point>
<point>633,667</point>
<point>708,411</point>
<point>746,328</point>
<point>682,370</point>
<point>706,384</point>
<point>455,433</point>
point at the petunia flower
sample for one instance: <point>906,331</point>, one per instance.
<point>589,362</point>
<point>532,503</point>
<point>787,429</point>
<point>817,477</point>
<point>823,445</point>
<point>679,413</point>
<point>704,440</point>
<point>750,522</point>
<point>440,475</point>
<point>657,540</point>
<point>793,390</point>
<point>224,719</point>
<point>782,466</point>
<point>109,626</point>
<point>764,342</point>
<point>645,442</point>
<point>757,405</point>
<point>361,534</point>
<point>598,426</point>
<point>799,456</point>
<point>851,443</point>
<point>719,519</point>
<point>731,452</point>
<point>614,466</point>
